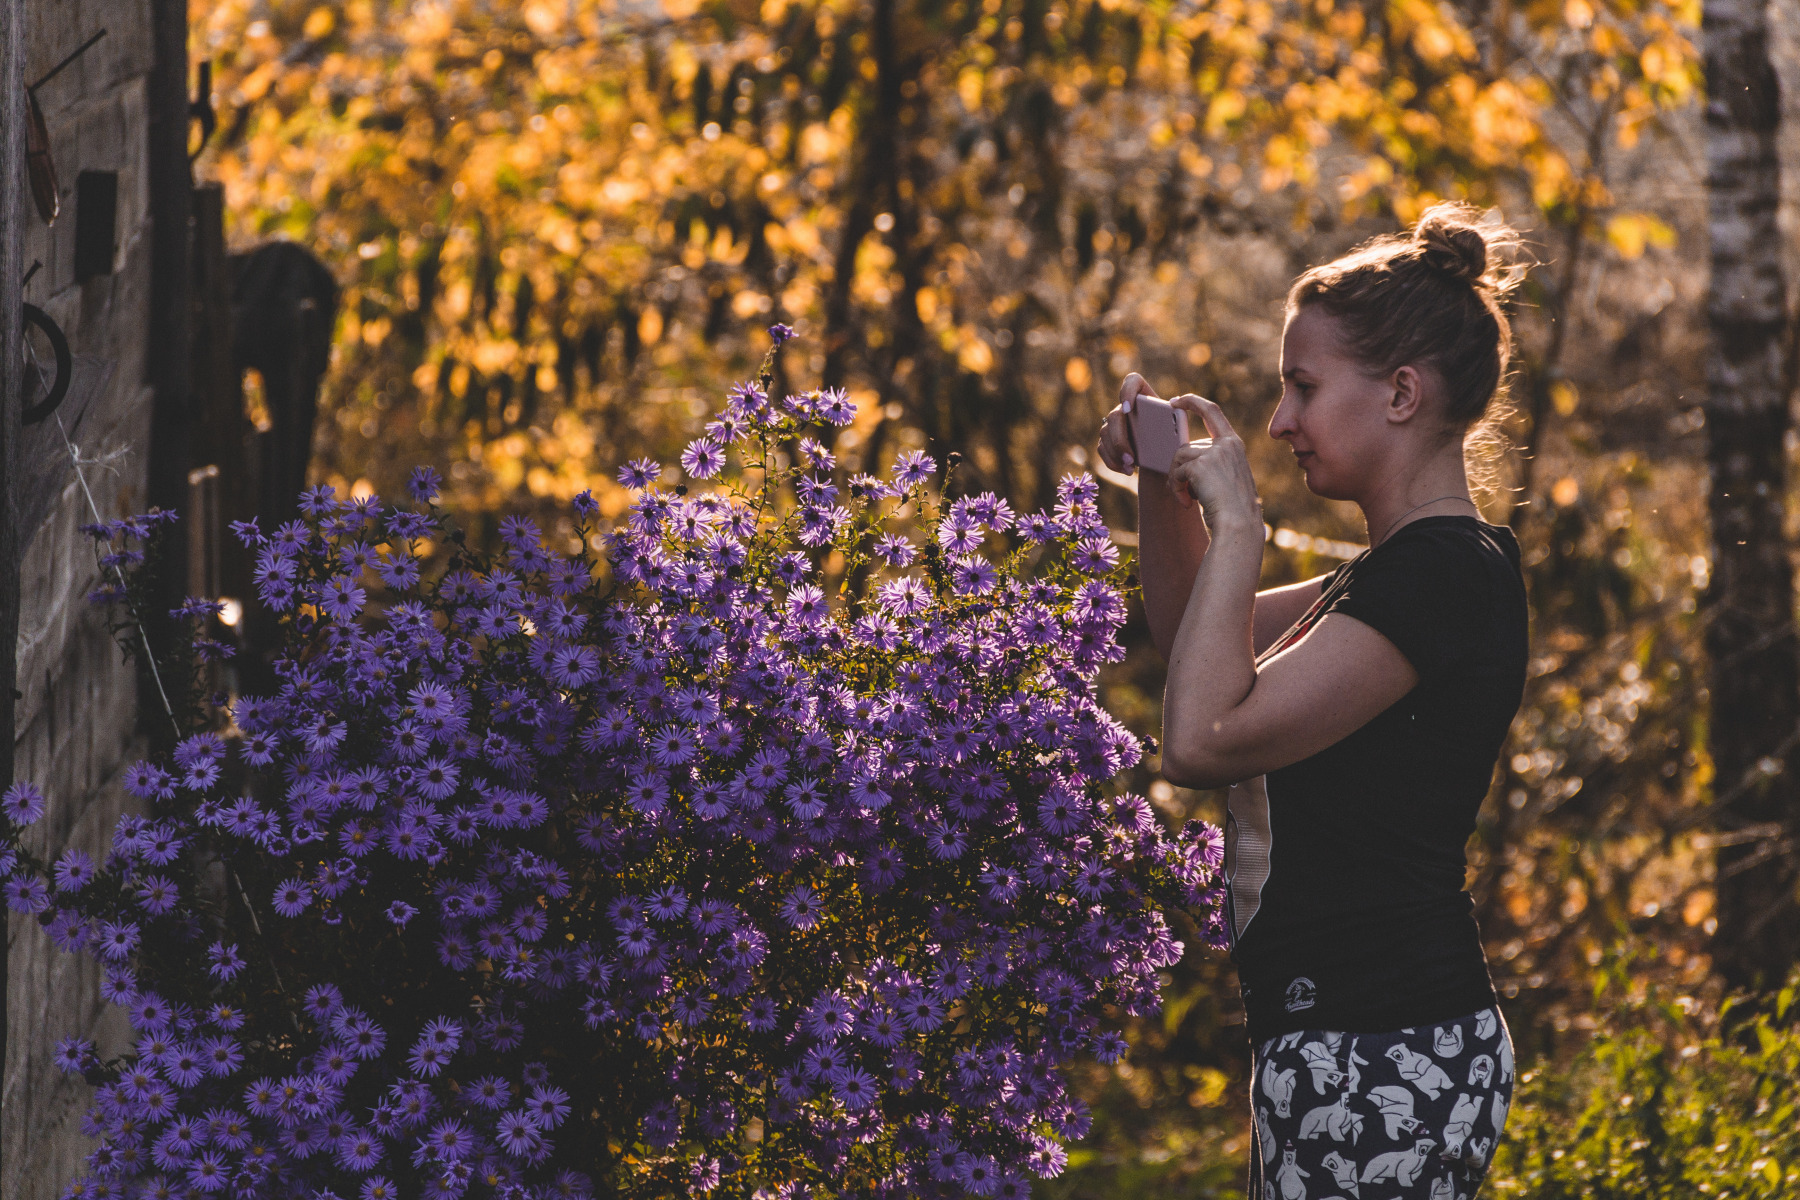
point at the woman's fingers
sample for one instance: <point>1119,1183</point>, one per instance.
<point>1214,416</point>
<point>1210,414</point>
<point>1116,448</point>
<point>1133,386</point>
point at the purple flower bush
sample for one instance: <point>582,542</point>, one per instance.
<point>671,871</point>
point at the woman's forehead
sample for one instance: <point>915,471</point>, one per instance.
<point>1311,335</point>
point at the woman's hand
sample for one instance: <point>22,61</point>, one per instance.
<point>1118,448</point>
<point>1215,471</point>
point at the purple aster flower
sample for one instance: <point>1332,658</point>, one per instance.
<point>1011,1186</point>
<point>74,1054</point>
<point>359,1151</point>
<point>117,940</point>
<point>830,1017</point>
<point>400,912</point>
<point>647,792</point>
<point>548,1106</point>
<point>855,1087</point>
<point>423,484</point>
<point>703,458</point>
<point>921,1014</point>
<point>1109,1047</point>
<point>518,1136</point>
<point>208,1173</point>
<point>640,473</point>
<point>225,961</point>
<point>221,1056</point>
<point>292,897</point>
<point>23,803</point>
<point>450,1140</point>
<point>904,597</point>
<point>27,894</point>
<point>974,576</point>
<point>801,907</point>
<point>912,468</point>
<point>343,598</point>
<point>490,1092</point>
<point>882,1029</point>
<point>74,871</point>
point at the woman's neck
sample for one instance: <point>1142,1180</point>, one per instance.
<point>1443,491</point>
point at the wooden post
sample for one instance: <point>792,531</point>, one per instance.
<point>222,437</point>
<point>168,367</point>
<point>11,367</point>
<point>12,213</point>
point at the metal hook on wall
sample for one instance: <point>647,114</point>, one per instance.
<point>38,163</point>
<point>65,364</point>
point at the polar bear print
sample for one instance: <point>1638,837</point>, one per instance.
<point>1506,1061</point>
<point>1354,1061</point>
<point>1395,1104</point>
<point>1447,1043</point>
<point>1323,1065</point>
<point>1333,1041</point>
<point>1487,1022</point>
<point>1289,1175</point>
<point>1334,1121</point>
<point>1499,1113</point>
<point>1402,1166</point>
<point>1481,1071</point>
<point>1288,1041</point>
<point>1461,1124</point>
<point>1443,1189</point>
<point>1279,1087</point>
<point>1419,1070</point>
<point>1343,1172</point>
<point>1265,1134</point>
<point>1478,1152</point>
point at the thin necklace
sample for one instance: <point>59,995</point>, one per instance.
<point>1415,508</point>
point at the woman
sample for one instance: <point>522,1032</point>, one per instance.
<point>1356,718</point>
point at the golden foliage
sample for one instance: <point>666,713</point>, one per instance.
<point>586,209</point>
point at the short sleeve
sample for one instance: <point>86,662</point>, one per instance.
<point>1424,592</point>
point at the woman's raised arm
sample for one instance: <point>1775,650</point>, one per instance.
<point>1172,541</point>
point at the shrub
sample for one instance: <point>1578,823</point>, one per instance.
<point>664,872</point>
<point>1661,1103</point>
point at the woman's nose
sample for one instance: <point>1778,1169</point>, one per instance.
<point>1281,424</point>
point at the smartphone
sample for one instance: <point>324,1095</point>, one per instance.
<point>1159,429</point>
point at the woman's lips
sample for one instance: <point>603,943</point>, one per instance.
<point>1300,456</point>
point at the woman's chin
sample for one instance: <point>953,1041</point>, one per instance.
<point>1319,483</point>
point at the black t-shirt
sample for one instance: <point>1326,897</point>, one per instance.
<point>1347,909</point>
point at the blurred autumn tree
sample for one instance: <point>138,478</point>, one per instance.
<point>562,226</point>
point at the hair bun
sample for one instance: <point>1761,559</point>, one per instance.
<point>1450,243</point>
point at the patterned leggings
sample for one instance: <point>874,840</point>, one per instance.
<point>1409,1115</point>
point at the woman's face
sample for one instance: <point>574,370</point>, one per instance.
<point>1332,414</point>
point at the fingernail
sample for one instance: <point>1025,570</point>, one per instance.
<point>1126,407</point>
<point>1128,460</point>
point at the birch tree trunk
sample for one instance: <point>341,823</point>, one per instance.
<point>1754,662</point>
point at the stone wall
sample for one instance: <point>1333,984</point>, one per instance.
<point>76,711</point>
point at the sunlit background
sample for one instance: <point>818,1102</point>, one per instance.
<point>563,226</point>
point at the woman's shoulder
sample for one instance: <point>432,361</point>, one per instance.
<point>1452,539</point>
<point>1456,559</point>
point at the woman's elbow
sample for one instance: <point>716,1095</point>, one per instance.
<point>1197,768</point>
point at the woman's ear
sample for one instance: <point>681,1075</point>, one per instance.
<point>1409,393</point>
